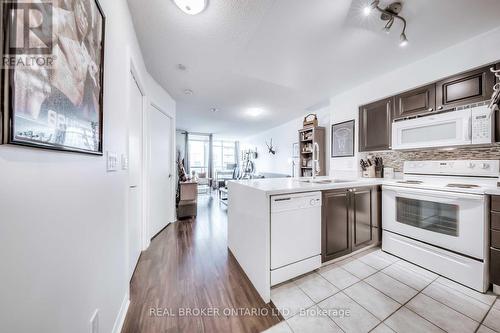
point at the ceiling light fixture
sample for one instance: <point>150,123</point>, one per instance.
<point>214,110</point>
<point>368,9</point>
<point>404,40</point>
<point>389,14</point>
<point>388,26</point>
<point>188,92</point>
<point>254,112</point>
<point>191,7</point>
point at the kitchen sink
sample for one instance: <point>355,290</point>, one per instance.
<point>323,181</point>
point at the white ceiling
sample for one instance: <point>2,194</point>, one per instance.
<point>286,55</point>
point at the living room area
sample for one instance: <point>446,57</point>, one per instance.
<point>206,162</point>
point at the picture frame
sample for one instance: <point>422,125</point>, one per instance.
<point>342,139</point>
<point>295,150</point>
<point>58,103</point>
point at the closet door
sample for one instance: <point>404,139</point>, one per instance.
<point>161,178</point>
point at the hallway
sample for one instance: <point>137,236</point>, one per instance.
<point>188,268</point>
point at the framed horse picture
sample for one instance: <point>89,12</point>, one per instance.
<point>53,74</point>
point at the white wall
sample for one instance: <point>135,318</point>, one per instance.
<point>63,217</point>
<point>284,136</point>
<point>478,51</point>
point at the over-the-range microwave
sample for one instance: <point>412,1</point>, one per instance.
<point>471,126</point>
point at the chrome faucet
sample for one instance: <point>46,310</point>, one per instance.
<point>315,160</point>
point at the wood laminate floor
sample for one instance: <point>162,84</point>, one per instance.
<point>189,268</point>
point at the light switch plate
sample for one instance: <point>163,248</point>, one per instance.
<point>124,162</point>
<point>94,322</point>
<point>112,161</point>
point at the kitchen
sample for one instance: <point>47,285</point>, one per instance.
<point>437,214</point>
<point>278,166</point>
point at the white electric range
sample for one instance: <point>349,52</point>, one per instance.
<point>437,217</point>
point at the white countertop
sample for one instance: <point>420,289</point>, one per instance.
<point>492,191</point>
<point>274,186</point>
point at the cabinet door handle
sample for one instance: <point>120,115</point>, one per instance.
<point>430,109</point>
<point>440,107</point>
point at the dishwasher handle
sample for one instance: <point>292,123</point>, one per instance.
<point>290,202</point>
<point>283,199</point>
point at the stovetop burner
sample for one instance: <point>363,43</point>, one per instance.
<point>411,182</point>
<point>462,185</point>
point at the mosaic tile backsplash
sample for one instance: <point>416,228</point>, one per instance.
<point>395,159</point>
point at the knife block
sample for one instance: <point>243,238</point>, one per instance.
<point>370,172</point>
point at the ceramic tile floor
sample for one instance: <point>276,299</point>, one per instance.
<point>377,292</point>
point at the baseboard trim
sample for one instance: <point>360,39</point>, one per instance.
<point>120,318</point>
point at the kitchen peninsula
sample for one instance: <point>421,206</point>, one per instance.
<point>271,253</point>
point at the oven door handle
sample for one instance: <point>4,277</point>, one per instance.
<point>449,196</point>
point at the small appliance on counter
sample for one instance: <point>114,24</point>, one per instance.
<point>389,173</point>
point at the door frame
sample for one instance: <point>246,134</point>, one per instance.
<point>134,74</point>
<point>171,218</point>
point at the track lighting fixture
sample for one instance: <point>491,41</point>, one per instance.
<point>389,14</point>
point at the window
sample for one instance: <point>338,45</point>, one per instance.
<point>198,153</point>
<point>224,155</point>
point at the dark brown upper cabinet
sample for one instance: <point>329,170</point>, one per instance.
<point>466,88</point>
<point>375,125</point>
<point>416,102</point>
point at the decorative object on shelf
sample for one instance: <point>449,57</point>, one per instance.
<point>306,136</point>
<point>389,14</point>
<point>57,104</point>
<point>343,139</point>
<point>310,120</point>
<point>271,148</point>
<point>295,150</point>
<point>307,147</point>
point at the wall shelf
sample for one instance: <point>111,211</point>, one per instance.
<point>307,137</point>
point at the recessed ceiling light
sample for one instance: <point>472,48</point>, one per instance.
<point>188,92</point>
<point>254,112</point>
<point>181,67</point>
<point>191,7</point>
<point>214,110</point>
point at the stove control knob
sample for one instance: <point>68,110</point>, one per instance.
<point>485,166</point>
<point>471,165</point>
